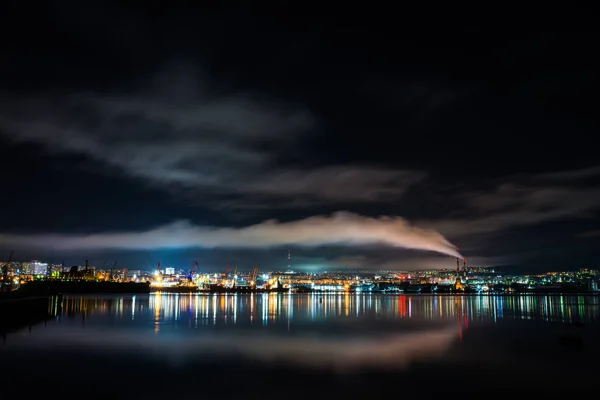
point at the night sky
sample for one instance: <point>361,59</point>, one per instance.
<point>229,138</point>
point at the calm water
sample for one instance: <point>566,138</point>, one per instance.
<point>281,345</point>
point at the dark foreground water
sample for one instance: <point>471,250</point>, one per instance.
<point>303,345</point>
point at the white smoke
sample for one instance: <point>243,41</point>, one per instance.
<point>339,228</point>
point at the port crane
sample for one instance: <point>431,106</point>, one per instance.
<point>253,277</point>
<point>227,274</point>
<point>102,269</point>
<point>229,278</point>
<point>112,271</point>
<point>234,279</point>
<point>193,271</point>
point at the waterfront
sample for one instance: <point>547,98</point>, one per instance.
<point>261,345</point>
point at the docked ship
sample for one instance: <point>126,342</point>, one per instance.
<point>387,288</point>
<point>242,289</point>
<point>413,289</point>
<point>363,287</point>
<point>273,286</point>
<point>176,289</point>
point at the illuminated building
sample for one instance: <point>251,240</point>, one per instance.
<point>169,271</point>
<point>458,285</point>
<point>57,268</point>
<point>34,268</point>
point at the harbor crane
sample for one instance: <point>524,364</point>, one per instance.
<point>227,274</point>
<point>254,276</point>
<point>112,271</point>
<point>193,271</point>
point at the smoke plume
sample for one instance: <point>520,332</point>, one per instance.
<point>339,228</point>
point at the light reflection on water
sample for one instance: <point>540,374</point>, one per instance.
<point>196,311</point>
<point>161,338</point>
<point>343,332</point>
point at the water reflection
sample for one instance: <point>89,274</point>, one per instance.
<point>196,311</point>
<point>341,330</point>
<point>491,337</point>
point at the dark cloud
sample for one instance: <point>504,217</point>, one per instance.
<point>576,174</point>
<point>339,183</point>
<point>532,201</point>
<point>208,145</point>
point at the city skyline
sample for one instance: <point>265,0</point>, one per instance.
<point>247,267</point>
<point>349,147</point>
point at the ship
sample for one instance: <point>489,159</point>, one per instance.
<point>242,289</point>
<point>413,289</point>
<point>364,287</point>
<point>176,289</point>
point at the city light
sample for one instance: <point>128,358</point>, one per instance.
<point>468,279</point>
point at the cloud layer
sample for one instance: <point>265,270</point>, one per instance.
<point>340,228</point>
<point>212,146</point>
<point>523,202</point>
